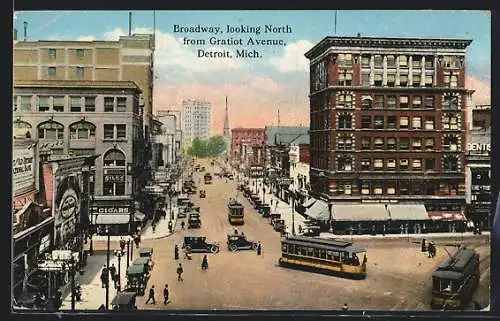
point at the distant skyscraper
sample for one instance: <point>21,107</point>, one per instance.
<point>197,120</point>
<point>227,130</point>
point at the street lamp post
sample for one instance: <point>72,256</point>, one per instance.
<point>107,267</point>
<point>119,254</point>
<point>128,253</point>
<point>330,220</point>
<point>293,215</point>
<point>72,266</point>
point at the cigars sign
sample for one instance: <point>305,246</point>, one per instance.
<point>23,168</point>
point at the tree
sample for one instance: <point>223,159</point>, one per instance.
<point>211,147</point>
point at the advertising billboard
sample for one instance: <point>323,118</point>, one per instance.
<point>24,167</point>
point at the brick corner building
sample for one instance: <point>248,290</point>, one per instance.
<point>388,122</point>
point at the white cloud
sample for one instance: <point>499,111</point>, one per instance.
<point>293,57</point>
<point>114,34</point>
<point>86,38</point>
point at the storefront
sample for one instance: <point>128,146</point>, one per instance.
<point>117,214</point>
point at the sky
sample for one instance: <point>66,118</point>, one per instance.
<point>279,78</point>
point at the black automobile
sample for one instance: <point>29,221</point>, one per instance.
<point>194,220</point>
<point>199,244</point>
<point>124,301</point>
<point>279,225</point>
<point>240,242</point>
<point>203,193</point>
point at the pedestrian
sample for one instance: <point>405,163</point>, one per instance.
<point>137,240</point>
<point>165,294</point>
<point>151,295</point>
<point>179,272</point>
<point>153,226</point>
<point>176,252</point>
<point>104,276</point>
<point>345,307</point>
<point>271,202</point>
<point>259,249</point>
<point>122,244</point>
<point>235,231</point>
<point>204,263</point>
<point>164,214</point>
<point>112,271</point>
<point>424,246</point>
<point>170,226</point>
<point>182,225</point>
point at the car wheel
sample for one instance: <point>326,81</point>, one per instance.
<point>214,249</point>
<point>254,246</point>
<point>233,248</point>
<point>188,248</point>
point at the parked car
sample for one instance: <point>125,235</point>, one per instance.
<point>203,193</point>
<point>194,221</point>
<point>240,242</point>
<point>124,301</point>
<point>279,225</point>
<point>199,244</point>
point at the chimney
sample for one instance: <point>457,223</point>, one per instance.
<point>130,23</point>
<point>15,34</point>
<point>359,35</point>
<point>25,30</point>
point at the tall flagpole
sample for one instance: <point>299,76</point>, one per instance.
<point>335,30</point>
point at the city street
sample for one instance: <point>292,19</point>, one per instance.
<point>398,277</point>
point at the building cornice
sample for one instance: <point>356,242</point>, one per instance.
<point>75,84</point>
<point>328,42</point>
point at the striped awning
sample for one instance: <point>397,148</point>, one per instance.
<point>309,202</point>
<point>446,216</point>
<point>318,211</point>
<point>359,212</point>
<point>111,219</point>
<point>407,212</point>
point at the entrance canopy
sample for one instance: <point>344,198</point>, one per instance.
<point>111,219</point>
<point>318,211</point>
<point>309,202</point>
<point>407,212</point>
<point>359,212</point>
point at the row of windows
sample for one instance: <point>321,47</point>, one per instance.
<point>52,72</point>
<point>450,162</point>
<point>76,103</point>
<point>52,53</point>
<point>79,130</point>
<point>397,102</point>
<point>401,61</point>
<point>401,188</point>
<point>449,121</point>
<point>450,143</point>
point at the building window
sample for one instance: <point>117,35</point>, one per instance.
<point>404,143</point>
<point>378,164</point>
<point>391,80</point>
<point>429,62</point>
<point>416,144</point>
<point>365,61</point>
<point>21,129</point>
<point>416,164</point>
<point>344,143</point>
<point>79,72</point>
<point>378,80</point>
<point>378,61</point>
<point>430,164</point>
<point>365,164</point>
<point>365,188</point>
<point>52,54</point>
<point>82,130</point>
<point>109,104</point>
<point>75,104</point>
<point>403,80</point>
<point>429,144</point>
<point>450,163</point>
<point>378,122</point>
<point>114,173</point>
<point>450,143</point>
<point>365,79</point>
<point>428,80</point>
<point>454,81</point>
<point>450,122</point>
<point>121,131</point>
<point>416,62</point>
<point>429,102</point>
<point>52,71</point>
<point>403,102</point>
<point>391,164</point>
<point>366,143</point>
<point>121,104</point>
<point>58,104</point>
<point>345,78</point>
<point>391,189</point>
<point>82,151</point>
<point>416,123</point>
<point>391,102</point>
<point>450,103</point>
<point>391,143</point>
<point>391,61</point>
<point>345,121</point>
<point>403,163</point>
<point>379,101</point>
<point>429,123</point>
<point>344,59</point>
<point>345,164</point>
<point>89,104</point>
<point>50,130</point>
<point>416,102</point>
<point>391,122</point>
<point>43,103</point>
<point>403,61</point>
<point>344,101</point>
<point>378,143</point>
<point>80,53</point>
<point>366,122</point>
<point>416,79</point>
<point>25,103</point>
<point>109,131</point>
<point>403,122</point>
<point>367,103</point>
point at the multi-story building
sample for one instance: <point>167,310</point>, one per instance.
<point>128,59</point>
<point>299,170</point>
<point>478,167</point>
<point>171,135</point>
<point>197,120</point>
<point>247,145</point>
<point>77,118</point>
<point>388,121</point>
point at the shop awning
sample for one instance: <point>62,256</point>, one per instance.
<point>318,211</point>
<point>359,212</point>
<point>139,216</point>
<point>309,202</point>
<point>112,219</point>
<point>446,216</point>
<point>407,212</point>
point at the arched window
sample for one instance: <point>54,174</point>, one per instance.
<point>450,163</point>
<point>344,163</point>
<point>114,172</point>
<point>50,130</point>
<point>82,130</point>
<point>21,129</point>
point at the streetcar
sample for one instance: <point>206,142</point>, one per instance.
<point>235,212</point>
<point>324,256</point>
<point>208,178</point>
<point>455,280</point>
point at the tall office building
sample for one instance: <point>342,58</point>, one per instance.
<point>197,120</point>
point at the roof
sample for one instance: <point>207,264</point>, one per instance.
<point>135,269</point>
<point>359,212</point>
<point>311,242</point>
<point>450,275</point>
<point>141,260</point>
<point>284,135</point>
<point>123,298</point>
<point>319,240</point>
<point>76,84</point>
<point>461,257</point>
<point>407,212</point>
<point>145,250</point>
<point>318,211</point>
<point>381,42</point>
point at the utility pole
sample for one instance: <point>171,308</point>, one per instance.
<point>335,22</point>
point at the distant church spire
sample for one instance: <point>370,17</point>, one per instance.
<point>227,131</point>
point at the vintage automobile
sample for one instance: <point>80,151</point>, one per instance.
<point>279,225</point>
<point>237,242</point>
<point>203,193</point>
<point>146,252</point>
<point>311,230</point>
<point>124,301</point>
<point>199,244</point>
<point>194,220</point>
<point>137,279</point>
<point>274,217</point>
<point>264,209</point>
<point>145,262</point>
<point>182,200</point>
